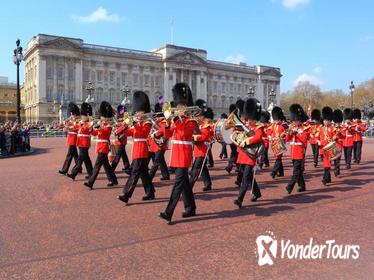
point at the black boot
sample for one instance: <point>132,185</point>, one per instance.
<point>164,216</point>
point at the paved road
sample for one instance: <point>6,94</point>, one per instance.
<point>54,228</point>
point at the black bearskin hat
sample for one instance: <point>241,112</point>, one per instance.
<point>338,116</point>
<point>106,110</point>
<point>316,115</point>
<point>240,105</point>
<point>348,114</point>
<point>86,109</point>
<point>277,114</point>
<point>182,94</point>
<point>209,114</point>
<point>224,116</point>
<point>357,114</point>
<point>265,116</point>
<point>297,113</point>
<point>121,109</point>
<point>252,109</point>
<point>232,108</point>
<point>202,105</point>
<point>73,109</point>
<point>141,102</point>
<point>158,108</point>
<point>327,113</point>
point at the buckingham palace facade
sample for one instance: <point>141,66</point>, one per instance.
<point>59,69</point>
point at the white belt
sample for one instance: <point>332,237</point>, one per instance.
<point>84,135</point>
<point>72,133</point>
<point>181,142</point>
<point>349,135</point>
<point>140,140</point>
<point>102,141</point>
<point>296,144</point>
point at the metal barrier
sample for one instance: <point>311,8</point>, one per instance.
<point>42,133</point>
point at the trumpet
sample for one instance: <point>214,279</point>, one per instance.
<point>189,111</point>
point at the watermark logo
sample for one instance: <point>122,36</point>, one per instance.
<point>269,248</point>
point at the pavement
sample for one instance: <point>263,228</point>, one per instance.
<point>54,228</point>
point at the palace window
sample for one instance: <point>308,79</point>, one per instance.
<point>71,75</point>
<point>60,73</point>
<point>49,73</point>
<point>111,96</point>
<point>112,77</point>
<point>146,80</point>
<point>157,81</point>
<point>99,74</point>
<point>86,75</point>
<point>135,79</point>
<point>124,78</point>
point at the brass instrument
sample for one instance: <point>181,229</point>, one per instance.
<point>189,111</point>
<point>160,141</point>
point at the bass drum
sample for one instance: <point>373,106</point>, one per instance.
<point>221,134</point>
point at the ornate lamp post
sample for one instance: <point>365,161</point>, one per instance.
<point>352,89</point>
<point>126,90</point>
<point>90,98</point>
<point>60,111</point>
<point>17,58</point>
<point>272,94</point>
<point>251,92</point>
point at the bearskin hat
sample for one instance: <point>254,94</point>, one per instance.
<point>202,105</point>
<point>357,114</point>
<point>141,102</point>
<point>158,108</point>
<point>316,115</point>
<point>86,109</point>
<point>182,94</point>
<point>297,113</point>
<point>348,114</point>
<point>224,116</point>
<point>277,113</point>
<point>265,116</point>
<point>338,116</point>
<point>121,109</point>
<point>209,114</point>
<point>252,109</point>
<point>106,110</point>
<point>232,108</point>
<point>73,109</point>
<point>327,113</point>
<point>240,105</point>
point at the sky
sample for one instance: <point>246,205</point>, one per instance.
<point>328,43</point>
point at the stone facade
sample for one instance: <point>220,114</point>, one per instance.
<point>8,100</point>
<point>58,69</point>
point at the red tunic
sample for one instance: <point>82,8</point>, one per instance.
<point>243,158</point>
<point>360,128</point>
<point>266,134</point>
<point>202,140</point>
<point>298,142</point>
<point>84,135</point>
<point>348,134</point>
<point>339,136</point>
<point>314,128</point>
<point>139,133</point>
<point>103,139</point>
<point>160,132</point>
<point>275,131</point>
<point>72,129</point>
<point>181,144</point>
<point>326,134</point>
<point>120,131</point>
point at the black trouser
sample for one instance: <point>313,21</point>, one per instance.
<point>102,160</point>
<point>139,168</point>
<point>159,161</point>
<point>278,168</point>
<point>315,150</point>
<point>347,155</point>
<point>264,159</point>
<point>195,171</point>
<point>210,156</point>
<point>72,153</point>
<point>239,176</point>
<point>233,156</point>
<point>248,182</point>
<point>223,153</point>
<point>298,174</point>
<point>121,153</point>
<point>83,157</point>
<point>326,175</point>
<point>357,147</point>
<point>337,165</point>
<point>181,187</point>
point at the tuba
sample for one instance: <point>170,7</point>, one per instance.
<point>160,141</point>
<point>238,137</point>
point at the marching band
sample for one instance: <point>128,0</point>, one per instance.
<point>188,130</point>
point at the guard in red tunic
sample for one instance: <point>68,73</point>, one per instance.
<point>182,128</point>
<point>239,169</point>
<point>349,131</point>
<point>103,130</point>
<point>265,120</point>
<point>202,138</point>
<point>72,128</point>
<point>139,166</point>
<point>338,119</point>
<point>276,135</point>
<point>326,135</point>
<point>252,114</point>
<point>83,142</point>
<point>233,148</point>
<point>314,128</point>
<point>158,146</point>
<point>121,141</point>
<point>360,128</point>
<point>297,136</point>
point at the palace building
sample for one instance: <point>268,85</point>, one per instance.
<point>58,70</point>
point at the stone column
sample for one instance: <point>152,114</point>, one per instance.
<point>41,80</point>
<point>66,82</point>
<point>79,80</point>
<point>55,69</point>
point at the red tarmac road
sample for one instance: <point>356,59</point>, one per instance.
<point>54,228</point>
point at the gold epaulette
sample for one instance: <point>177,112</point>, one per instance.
<point>259,125</point>
<point>147,122</point>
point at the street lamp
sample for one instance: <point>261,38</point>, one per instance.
<point>126,90</point>
<point>60,111</point>
<point>17,58</point>
<point>251,92</point>
<point>352,89</point>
